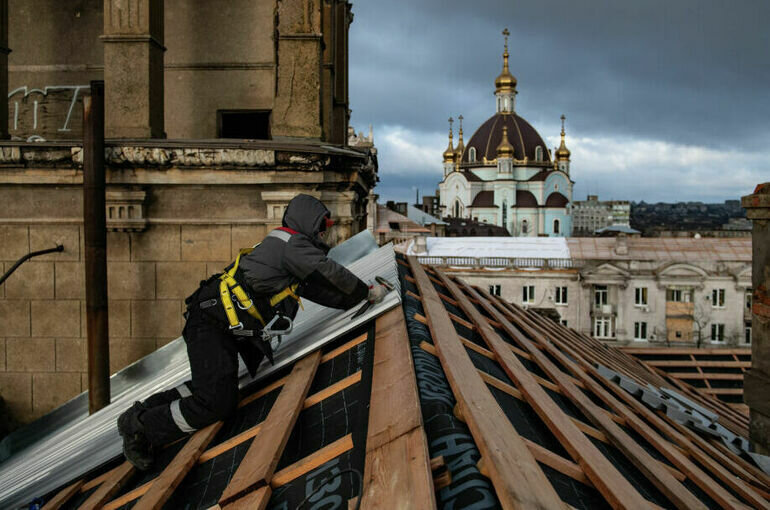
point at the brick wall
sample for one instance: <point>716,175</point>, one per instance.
<point>42,309</point>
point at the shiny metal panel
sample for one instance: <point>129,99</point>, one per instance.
<point>71,443</point>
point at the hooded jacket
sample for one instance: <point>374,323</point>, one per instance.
<point>280,261</point>
<point>276,264</point>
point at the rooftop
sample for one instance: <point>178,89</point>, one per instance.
<point>452,398</point>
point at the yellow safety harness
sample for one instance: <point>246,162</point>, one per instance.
<point>229,286</point>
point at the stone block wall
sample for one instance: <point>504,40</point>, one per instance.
<point>42,305</point>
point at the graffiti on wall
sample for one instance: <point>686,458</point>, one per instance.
<point>46,113</point>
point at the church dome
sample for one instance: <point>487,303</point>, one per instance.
<point>521,135</point>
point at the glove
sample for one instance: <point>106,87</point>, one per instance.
<point>377,293</point>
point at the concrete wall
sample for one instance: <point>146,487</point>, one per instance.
<point>290,59</point>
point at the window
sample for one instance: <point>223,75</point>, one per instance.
<point>561,296</point>
<point>250,124</point>
<point>600,295</point>
<point>603,327</point>
<point>563,322</point>
<point>528,296</point>
<point>494,290</point>
<point>640,296</point>
<point>524,227</point>
<point>679,295</point>
<point>555,226</point>
<point>538,153</point>
<point>718,298</point>
<point>457,208</point>
<point>747,332</point>
<point>505,214</point>
<point>472,154</point>
<point>640,331</point>
<point>748,299</point>
<point>717,332</point>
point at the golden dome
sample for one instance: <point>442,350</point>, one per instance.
<point>505,149</point>
<point>460,145</point>
<point>562,153</point>
<point>449,153</point>
<point>505,82</point>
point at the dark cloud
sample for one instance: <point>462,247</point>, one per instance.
<point>691,72</point>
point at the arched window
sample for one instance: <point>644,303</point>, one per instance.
<point>538,153</point>
<point>505,214</point>
<point>472,154</point>
<point>524,227</point>
<point>457,209</point>
<point>556,226</point>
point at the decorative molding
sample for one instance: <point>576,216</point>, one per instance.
<point>220,66</point>
<point>185,157</point>
<point>125,210</point>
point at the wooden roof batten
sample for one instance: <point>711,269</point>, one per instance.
<point>683,446</point>
<point>605,477</point>
<point>507,461</point>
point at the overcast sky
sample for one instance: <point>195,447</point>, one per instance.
<point>666,100</point>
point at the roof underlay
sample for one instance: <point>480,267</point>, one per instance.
<point>457,399</point>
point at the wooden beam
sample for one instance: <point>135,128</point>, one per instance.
<point>63,496</point>
<point>395,422</point>
<point>613,395</point>
<point>605,477</point>
<point>257,467</point>
<point>344,348</point>
<point>514,472</point>
<point>256,500</point>
<point>177,469</point>
<point>109,487</point>
<point>331,390</point>
<point>312,461</point>
<point>129,496</point>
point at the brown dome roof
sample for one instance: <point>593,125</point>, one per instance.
<point>521,135</point>
<point>484,199</point>
<point>556,199</point>
<point>525,198</point>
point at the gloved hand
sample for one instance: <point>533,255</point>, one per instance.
<point>377,293</point>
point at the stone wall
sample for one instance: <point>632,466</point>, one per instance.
<point>197,207</point>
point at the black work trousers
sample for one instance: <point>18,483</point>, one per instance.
<point>211,394</point>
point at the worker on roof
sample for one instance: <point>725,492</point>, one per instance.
<point>228,314</point>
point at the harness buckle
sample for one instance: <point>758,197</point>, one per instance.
<point>237,327</point>
<point>239,305</point>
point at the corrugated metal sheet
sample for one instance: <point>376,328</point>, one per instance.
<point>77,443</point>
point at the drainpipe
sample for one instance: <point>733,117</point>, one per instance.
<point>95,227</point>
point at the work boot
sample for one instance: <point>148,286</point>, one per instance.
<point>136,447</point>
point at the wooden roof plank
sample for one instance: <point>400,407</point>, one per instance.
<point>397,469</point>
<point>63,496</point>
<point>177,469</point>
<point>258,466</point>
<point>256,500</point>
<point>605,477</point>
<point>674,455</point>
<point>312,461</point>
<point>518,479</point>
<point>109,487</point>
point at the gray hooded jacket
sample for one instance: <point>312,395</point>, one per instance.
<point>285,258</point>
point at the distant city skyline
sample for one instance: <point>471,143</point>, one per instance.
<point>665,101</point>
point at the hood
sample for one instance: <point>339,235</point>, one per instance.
<point>305,214</point>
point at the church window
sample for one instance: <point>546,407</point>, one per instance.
<point>505,213</point>
<point>538,153</point>
<point>472,154</point>
<point>457,208</point>
<point>556,226</point>
<point>524,227</point>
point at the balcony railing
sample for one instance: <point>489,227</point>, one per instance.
<point>501,262</point>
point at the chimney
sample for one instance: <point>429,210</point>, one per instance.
<point>757,380</point>
<point>621,244</point>
<point>421,245</point>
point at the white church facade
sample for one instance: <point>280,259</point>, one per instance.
<point>505,175</point>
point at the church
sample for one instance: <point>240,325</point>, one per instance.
<point>505,175</point>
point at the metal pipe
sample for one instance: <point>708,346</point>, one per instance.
<point>95,227</point>
<point>26,257</point>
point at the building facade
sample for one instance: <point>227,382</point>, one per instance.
<point>215,117</point>
<point>505,175</point>
<point>591,214</point>
<point>624,290</point>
